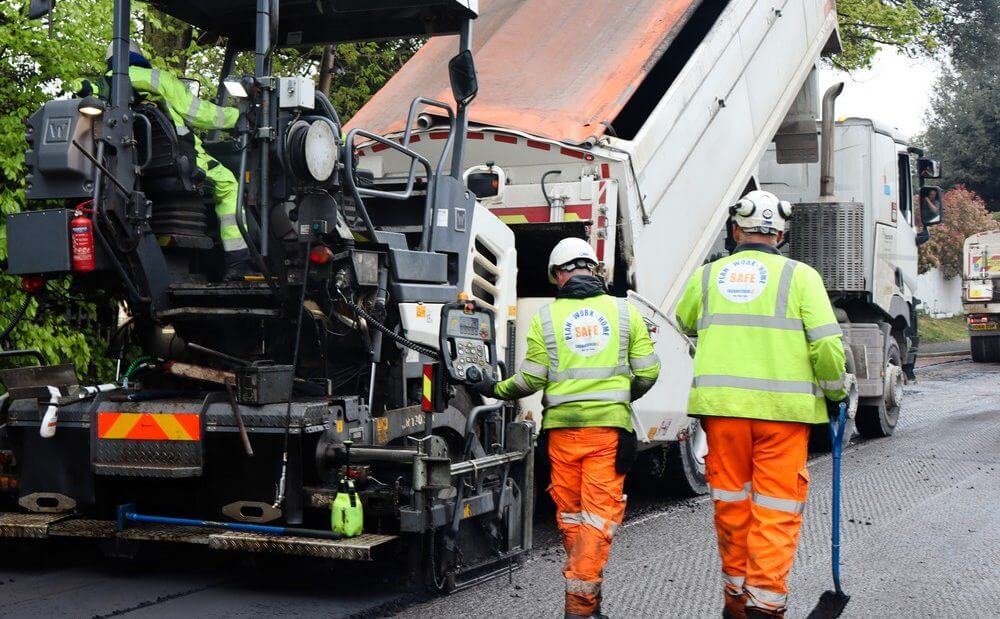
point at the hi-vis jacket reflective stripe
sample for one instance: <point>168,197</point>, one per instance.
<point>173,96</point>
<point>585,353</point>
<point>769,346</point>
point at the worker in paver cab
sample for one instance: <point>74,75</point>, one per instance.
<point>591,354</point>
<point>187,111</point>
<point>769,362</point>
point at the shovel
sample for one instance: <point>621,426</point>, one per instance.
<point>832,603</point>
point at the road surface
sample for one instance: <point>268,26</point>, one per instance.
<point>921,537</point>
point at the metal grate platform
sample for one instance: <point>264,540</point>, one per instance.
<point>38,526</point>
<point>354,549</point>
<point>13,524</point>
<point>84,527</point>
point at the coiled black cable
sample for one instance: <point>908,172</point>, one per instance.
<point>399,339</point>
<point>18,317</point>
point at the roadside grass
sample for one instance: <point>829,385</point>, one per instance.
<point>942,329</point>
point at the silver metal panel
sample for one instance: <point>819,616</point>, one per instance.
<point>829,238</point>
<point>166,533</point>
<point>354,549</point>
<point>84,527</point>
<point>13,524</point>
<point>867,347</point>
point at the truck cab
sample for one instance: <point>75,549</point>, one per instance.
<point>862,236</point>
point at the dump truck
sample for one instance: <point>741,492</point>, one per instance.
<point>401,255</point>
<point>634,130</point>
<point>858,218</point>
<point>981,294</point>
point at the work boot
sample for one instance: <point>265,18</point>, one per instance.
<point>736,606</point>
<point>239,265</point>
<point>752,612</point>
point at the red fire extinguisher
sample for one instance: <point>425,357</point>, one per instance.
<point>82,243</point>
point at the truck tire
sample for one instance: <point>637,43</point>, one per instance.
<point>876,421</point>
<point>675,469</point>
<point>684,474</point>
<point>985,349</point>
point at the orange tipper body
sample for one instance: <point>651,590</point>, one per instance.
<point>590,506</point>
<point>542,88</point>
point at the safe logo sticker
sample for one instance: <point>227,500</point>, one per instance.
<point>586,332</point>
<point>742,281</point>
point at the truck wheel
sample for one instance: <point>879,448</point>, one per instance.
<point>880,420</point>
<point>985,349</point>
<point>684,473</point>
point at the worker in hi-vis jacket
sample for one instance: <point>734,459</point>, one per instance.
<point>769,362</point>
<point>187,111</point>
<point>591,354</point>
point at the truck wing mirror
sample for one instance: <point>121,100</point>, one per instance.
<point>40,8</point>
<point>464,83</point>
<point>928,168</point>
<point>931,206</point>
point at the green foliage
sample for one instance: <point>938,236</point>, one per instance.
<point>933,330</point>
<point>964,125</point>
<point>42,59</point>
<point>359,69</point>
<point>37,60</point>
<point>964,215</point>
<point>865,25</point>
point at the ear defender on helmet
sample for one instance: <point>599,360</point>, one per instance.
<point>743,208</point>
<point>785,209</point>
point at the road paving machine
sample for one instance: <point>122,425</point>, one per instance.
<point>227,425</point>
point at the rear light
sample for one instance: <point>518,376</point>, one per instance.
<point>975,319</point>
<point>32,284</point>
<point>321,254</point>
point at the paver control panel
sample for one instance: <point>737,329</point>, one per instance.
<point>468,341</point>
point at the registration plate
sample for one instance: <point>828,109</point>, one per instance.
<point>991,326</point>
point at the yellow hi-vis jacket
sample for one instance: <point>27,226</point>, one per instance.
<point>769,346</point>
<point>173,96</point>
<point>585,353</point>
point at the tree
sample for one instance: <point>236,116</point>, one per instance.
<point>964,125</point>
<point>37,60</point>
<point>965,214</point>
<point>867,25</point>
<point>40,59</point>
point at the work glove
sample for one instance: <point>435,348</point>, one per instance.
<point>243,123</point>
<point>481,382</point>
<point>833,408</point>
<point>639,388</point>
<point>86,89</point>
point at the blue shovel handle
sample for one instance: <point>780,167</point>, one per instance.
<point>836,448</point>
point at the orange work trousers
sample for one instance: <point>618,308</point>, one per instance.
<point>758,478</point>
<point>590,505</point>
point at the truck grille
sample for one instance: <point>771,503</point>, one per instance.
<point>829,237</point>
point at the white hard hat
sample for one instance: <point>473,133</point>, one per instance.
<point>132,48</point>
<point>571,253</point>
<point>761,211</point>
